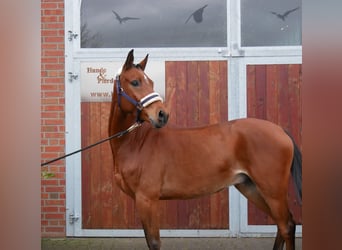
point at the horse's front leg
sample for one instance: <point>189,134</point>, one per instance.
<point>149,215</point>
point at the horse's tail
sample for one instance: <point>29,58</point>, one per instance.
<point>296,167</point>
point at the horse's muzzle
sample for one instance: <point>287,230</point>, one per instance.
<point>162,119</point>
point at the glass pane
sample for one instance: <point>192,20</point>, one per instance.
<point>153,23</point>
<point>271,23</point>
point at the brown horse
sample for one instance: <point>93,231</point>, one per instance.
<point>151,164</point>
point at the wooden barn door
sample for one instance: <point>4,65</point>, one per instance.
<point>200,99</point>
<point>274,94</point>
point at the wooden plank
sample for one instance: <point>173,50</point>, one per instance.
<point>218,107</point>
<point>85,128</point>
<point>117,207</point>
<point>260,91</point>
<point>95,169</point>
<point>214,91</point>
<point>271,93</point>
<point>223,91</point>
<point>283,112</point>
<point>259,78</point>
<point>106,168</point>
<point>294,81</point>
<point>191,99</point>
<point>219,210</point>
<point>168,214</point>
<point>251,92</point>
<point>171,87</point>
<point>181,108</point>
<point>203,96</point>
<point>295,111</point>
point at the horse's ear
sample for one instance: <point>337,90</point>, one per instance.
<point>142,64</point>
<point>129,61</point>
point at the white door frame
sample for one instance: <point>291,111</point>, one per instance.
<point>237,105</point>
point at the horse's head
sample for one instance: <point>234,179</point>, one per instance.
<point>135,93</point>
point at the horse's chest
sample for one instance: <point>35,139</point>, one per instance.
<point>127,173</point>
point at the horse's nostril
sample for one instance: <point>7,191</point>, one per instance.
<point>163,116</point>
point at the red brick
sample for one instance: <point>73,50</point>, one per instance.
<point>55,188</point>
<point>53,108</point>
<point>54,229</point>
<point>43,141</point>
<point>60,175</point>
<point>49,32</point>
<point>48,87</point>
<point>60,32</point>
<point>54,135</point>
<point>49,182</point>
<point>55,202</point>
<point>50,209</point>
<point>54,80</point>
<point>54,142</point>
<point>49,101</point>
<point>49,19</point>
<point>44,196</point>
<point>53,26</point>
<point>53,53</point>
<point>48,6</point>
<point>49,115</point>
<point>54,39</point>
<point>50,60</point>
<point>53,12</point>
<point>54,67</point>
<point>54,149</point>
<point>53,223</point>
<point>49,46</point>
<point>49,129</point>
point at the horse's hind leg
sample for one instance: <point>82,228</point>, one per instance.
<point>285,223</point>
<point>149,215</point>
<point>249,190</point>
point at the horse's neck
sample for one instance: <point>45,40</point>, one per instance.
<point>119,122</point>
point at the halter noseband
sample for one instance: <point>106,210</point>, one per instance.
<point>143,103</point>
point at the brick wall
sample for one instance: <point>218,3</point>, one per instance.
<point>52,117</point>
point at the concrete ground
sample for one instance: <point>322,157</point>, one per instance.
<point>167,243</point>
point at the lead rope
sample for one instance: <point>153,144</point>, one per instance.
<point>117,135</point>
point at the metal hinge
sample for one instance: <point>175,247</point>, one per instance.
<point>72,76</point>
<point>72,35</point>
<point>73,217</point>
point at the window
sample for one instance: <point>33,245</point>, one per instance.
<point>153,23</point>
<point>271,23</point>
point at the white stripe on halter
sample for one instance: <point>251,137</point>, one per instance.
<point>150,98</point>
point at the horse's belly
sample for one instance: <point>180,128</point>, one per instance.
<point>194,187</point>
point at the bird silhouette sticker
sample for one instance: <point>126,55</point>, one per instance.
<point>197,15</point>
<point>285,14</point>
<point>123,19</point>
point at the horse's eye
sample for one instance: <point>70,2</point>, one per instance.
<point>135,83</point>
